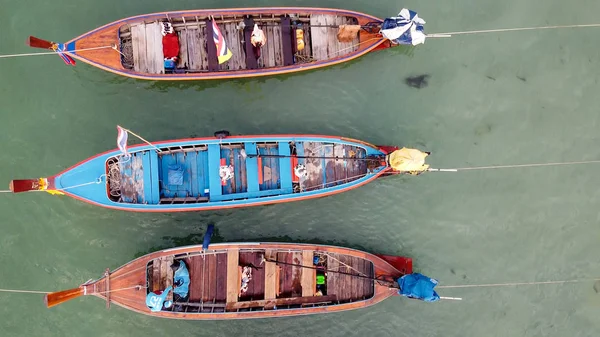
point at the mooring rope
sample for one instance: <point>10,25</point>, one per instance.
<point>49,292</point>
<point>510,30</point>
<point>24,291</point>
<point>514,284</point>
<point>514,166</point>
<point>57,52</point>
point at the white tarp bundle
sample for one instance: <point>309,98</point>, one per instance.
<point>406,28</point>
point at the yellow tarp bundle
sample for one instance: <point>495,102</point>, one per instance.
<point>408,160</point>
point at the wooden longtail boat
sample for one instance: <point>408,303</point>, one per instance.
<point>217,43</point>
<point>218,172</point>
<point>285,279</point>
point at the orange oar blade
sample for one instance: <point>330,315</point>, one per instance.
<point>34,42</point>
<point>24,185</point>
<point>60,297</point>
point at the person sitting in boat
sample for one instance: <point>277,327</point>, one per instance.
<point>156,300</point>
<point>181,281</point>
<point>246,277</point>
<point>170,43</point>
<point>258,39</point>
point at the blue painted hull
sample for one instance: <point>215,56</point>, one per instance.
<point>185,175</point>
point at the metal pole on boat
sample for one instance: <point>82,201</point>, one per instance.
<point>145,141</point>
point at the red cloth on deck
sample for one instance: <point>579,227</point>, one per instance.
<point>170,45</point>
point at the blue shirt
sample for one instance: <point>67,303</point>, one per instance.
<point>182,275</point>
<point>155,302</point>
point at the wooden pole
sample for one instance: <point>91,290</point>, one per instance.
<point>145,141</point>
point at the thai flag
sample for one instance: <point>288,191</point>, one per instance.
<point>122,140</point>
<point>223,53</point>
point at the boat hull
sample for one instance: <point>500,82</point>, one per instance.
<point>125,285</point>
<point>110,60</point>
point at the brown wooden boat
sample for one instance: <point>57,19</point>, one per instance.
<point>217,43</point>
<point>286,280</point>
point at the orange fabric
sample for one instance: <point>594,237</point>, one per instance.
<point>260,171</point>
<point>295,179</point>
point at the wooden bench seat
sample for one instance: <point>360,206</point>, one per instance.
<point>286,41</point>
<point>251,62</point>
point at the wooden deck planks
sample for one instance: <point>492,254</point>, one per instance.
<point>333,279</point>
<point>233,285</point>
<point>211,48</point>
<point>271,279</point>
<point>287,47</point>
<point>308,277</point>
<point>319,38</point>
<point>297,274</point>
<point>256,287</point>
<point>182,61</point>
<point>233,40</point>
<point>277,47</point>
<point>332,41</point>
<point>154,54</point>
<point>314,167</point>
<point>251,61</point>
<point>306,54</point>
<point>162,274</point>
<point>221,293</point>
<point>138,40</point>
<point>195,49</point>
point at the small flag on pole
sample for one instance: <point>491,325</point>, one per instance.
<point>122,140</point>
<point>223,53</point>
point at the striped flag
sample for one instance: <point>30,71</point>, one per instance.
<point>223,53</point>
<point>122,140</point>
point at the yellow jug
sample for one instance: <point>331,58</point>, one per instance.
<point>299,39</point>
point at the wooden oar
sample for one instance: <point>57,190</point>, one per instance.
<point>35,42</point>
<point>24,185</point>
<point>59,297</point>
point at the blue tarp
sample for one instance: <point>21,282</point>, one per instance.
<point>175,175</point>
<point>181,280</point>
<point>155,301</point>
<point>418,286</point>
<point>406,28</point>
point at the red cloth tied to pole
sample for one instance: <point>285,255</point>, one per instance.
<point>170,45</point>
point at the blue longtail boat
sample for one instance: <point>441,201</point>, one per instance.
<point>223,172</point>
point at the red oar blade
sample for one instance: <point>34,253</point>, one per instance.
<point>59,297</point>
<point>34,42</point>
<point>24,185</point>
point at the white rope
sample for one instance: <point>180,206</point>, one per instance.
<point>511,30</point>
<point>516,284</point>
<point>97,181</point>
<point>64,52</point>
<point>514,166</point>
<point>138,287</point>
<point>24,291</point>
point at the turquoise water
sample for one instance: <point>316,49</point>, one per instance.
<point>495,99</point>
